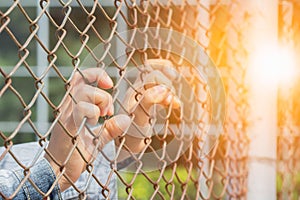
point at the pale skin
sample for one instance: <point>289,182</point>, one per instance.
<point>94,102</point>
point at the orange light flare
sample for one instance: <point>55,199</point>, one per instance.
<point>274,65</point>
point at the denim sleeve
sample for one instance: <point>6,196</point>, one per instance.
<point>41,174</point>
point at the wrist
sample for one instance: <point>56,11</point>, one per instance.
<point>62,182</point>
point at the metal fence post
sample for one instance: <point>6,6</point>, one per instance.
<point>42,63</point>
<point>204,20</point>
<point>263,103</point>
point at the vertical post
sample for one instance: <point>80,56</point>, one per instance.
<point>263,102</point>
<point>121,48</point>
<point>42,63</point>
<point>203,18</point>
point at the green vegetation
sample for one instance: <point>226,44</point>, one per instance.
<point>288,182</point>
<point>142,188</point>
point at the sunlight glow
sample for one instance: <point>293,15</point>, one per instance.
<point>274,65</point>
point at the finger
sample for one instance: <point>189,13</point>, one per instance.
<point>93,75</point>
<point>154,95</point>
<point>84,109</point>
<point>114,127</point>
<point>157,78</point>
<point>172,100</point>
<point>164,66</point>
<point>95,96</point>
<point>160,95</point>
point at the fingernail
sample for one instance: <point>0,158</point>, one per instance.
<point>176,102</point>
<point>111,111</point>
<point>103,112</point>
<point>169,99</point>
<point>123,122</point>
<point>108,79</point>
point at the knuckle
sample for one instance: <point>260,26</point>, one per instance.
<point>79,92</point>
<point>108,97</point>
<point>80,106</point>
<point>77,77</point>
<point>102,97</point>
<point>96,111</point>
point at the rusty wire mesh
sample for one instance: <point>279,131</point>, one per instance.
<point>229,52</point>
<point>288,133</point>
<point>76,27</point>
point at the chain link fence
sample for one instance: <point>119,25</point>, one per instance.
<point>288,133</point>
<point>43,44</point>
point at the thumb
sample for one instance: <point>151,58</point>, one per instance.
<point>114,127</point>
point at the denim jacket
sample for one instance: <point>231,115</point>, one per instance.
<point>43,176</point>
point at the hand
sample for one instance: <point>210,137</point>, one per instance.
<point>155,87</point>
<point>88,103</point>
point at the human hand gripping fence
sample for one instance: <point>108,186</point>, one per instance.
<point>69,150</point>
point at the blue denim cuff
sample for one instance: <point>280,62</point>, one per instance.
<point>43,177</point>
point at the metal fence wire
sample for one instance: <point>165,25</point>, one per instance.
<point>288,133</point>
<point>45,44</point>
